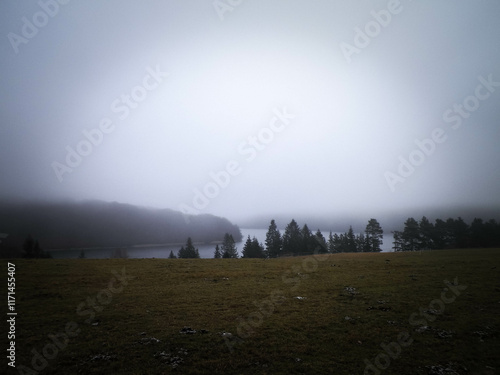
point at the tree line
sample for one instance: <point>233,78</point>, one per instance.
<point>32,249</point>
<point>226,250</point>
<point>301,241</point>
<point>295,241</point>
<point>449,234</point>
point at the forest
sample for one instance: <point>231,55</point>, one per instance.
<point>295,241</point>
<point>449,234</point>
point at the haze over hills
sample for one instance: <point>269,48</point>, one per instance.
<point>104,224</point>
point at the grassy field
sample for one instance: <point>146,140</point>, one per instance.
<point>393,313</point>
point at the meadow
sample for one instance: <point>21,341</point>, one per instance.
<point>430,312</point>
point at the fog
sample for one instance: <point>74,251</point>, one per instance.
<point>255,109</point>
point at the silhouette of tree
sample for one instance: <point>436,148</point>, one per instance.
<point>292,239</point>
<point>189,251</point>
<point>217,253</point>
<point>374,235</point>
<point>228,247</point>
<point>253,249</point>
<point>273,241</point>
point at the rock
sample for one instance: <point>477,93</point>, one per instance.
<point>187,331</point>
<point>422,329</point>
<point>102,357</point>
<point>351,290</point>
<point>170,359</point>
<point>149,340</point>
<point>442,334</point>
<point>441,370</point>
<point>433,312</point>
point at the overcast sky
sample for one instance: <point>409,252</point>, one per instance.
<point>261,107</point>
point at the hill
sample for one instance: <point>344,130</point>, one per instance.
<point>104,224</point>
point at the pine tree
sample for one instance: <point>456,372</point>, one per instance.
<point>247,248</point>
<point>229,249</point>
<point>217,253</point>
<point>351,241</point>
<point>374,235</point>
<point>189,251</point>
<point>398,243</point>
<point>321,246</point>
<point>461,233</point>
<point>32,249</point>
<point>273,241</point>
<point>292,239</point>
<point>253,249</point>
<point>82,255</point>
<point>259,250</point>
<point>343,245</point>
<point>361,243</point>
<point>337,243</point>
<point>426,230</point>
<point>331,243</point>
<point>411,235</point>
<point>308,243</point>
<point>172,255</point>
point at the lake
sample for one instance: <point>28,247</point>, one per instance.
<point>206,251</point>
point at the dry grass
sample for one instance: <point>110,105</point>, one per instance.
<point>331,330</point>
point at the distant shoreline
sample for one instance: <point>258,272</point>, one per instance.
<point>169,244</point>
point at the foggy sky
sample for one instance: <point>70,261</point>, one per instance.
<point>302,113</point>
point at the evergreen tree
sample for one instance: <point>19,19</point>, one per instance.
<point>308,242</point>
<point>411,235</point>
<point>343,245</point>
<point>331,243</point>
<point>82,255</point>
<point>273,241</point>
<point>320,242</point>
<point>217,253</point>
<point>442,237</point>
<point>292,239</point>
<point>361,243</point>
<point>426,233</point>
<point>350,241</point>
<point>228,247</point>
<point>253,249</point>
<point>478,234</point>
<point>32,249</point>
<point>172,255</point>
<point>460,231</point>
<point>337,243</point>
<point>260,251</point>
<point>398,244</point>
<point>374,235</point>
<point>189,251</point>
<point>247,248</point>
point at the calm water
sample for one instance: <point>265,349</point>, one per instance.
<point>206,251</point>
